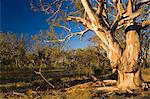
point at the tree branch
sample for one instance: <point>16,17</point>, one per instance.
<point>40,73</point>
<point>131,17</point>
<point>89,10</point>
<point>115,24</point>
<point>69,36</point>
<point>68,29</point>
<point>83,21</point>
<point>130,8</point>
<point>60,5</point>
<point>100,7</point>
<point>120,7</point>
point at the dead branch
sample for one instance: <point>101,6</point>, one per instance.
<point>110,82</point>
<point>93,77</point>
<point>40,73</point>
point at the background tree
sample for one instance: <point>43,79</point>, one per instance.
<point>105,19</point>
<point>12,51</point>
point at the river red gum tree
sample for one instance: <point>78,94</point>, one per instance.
<point>125,60</point>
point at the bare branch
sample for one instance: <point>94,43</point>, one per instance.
<point>130,6</point>
<point>89,11</point>
<point>131,17</point>
<point>69,36</point>
<point>120,7</point>
<point>49,6</point>
<point>119,23</point>
<point>68,29</point>
<point>103,16</point>
<point>115,23</point>
<point>39,73</point>
<point>83,21</point>
<point>45,79</point>
<point>60,5</point>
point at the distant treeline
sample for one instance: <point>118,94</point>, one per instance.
<point>18,53</point>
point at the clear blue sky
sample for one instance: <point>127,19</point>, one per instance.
<point>16,16</point>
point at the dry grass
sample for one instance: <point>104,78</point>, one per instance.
<point>86,91</point>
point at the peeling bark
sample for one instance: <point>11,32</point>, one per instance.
<point>129,81</point>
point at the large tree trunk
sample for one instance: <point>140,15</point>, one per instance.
<point>129,73</point>
<point>126,60</point>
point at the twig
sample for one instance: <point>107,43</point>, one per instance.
<point>59,8</point>
<point>65,28</point>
